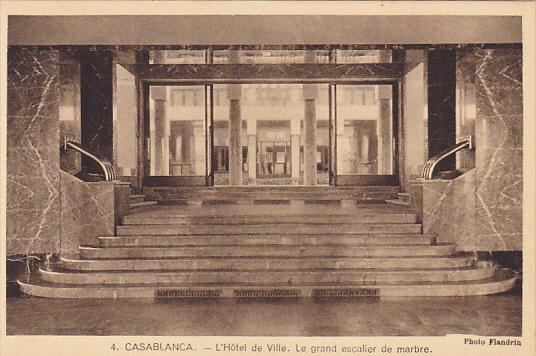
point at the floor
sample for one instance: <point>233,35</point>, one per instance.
<point>499,315</point>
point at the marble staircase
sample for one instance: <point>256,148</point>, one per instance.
<point>264,249</point>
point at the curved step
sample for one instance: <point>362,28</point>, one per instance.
<point>266,250</point>
<point>288,239</point>
<point>295,277</point>
<point>255,263</point>
<point>274,228</point>
<point>501,281</point>
<point>264,219</point>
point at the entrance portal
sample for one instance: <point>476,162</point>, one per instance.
<point>270,134</point>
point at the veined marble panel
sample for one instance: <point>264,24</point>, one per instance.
<point>499,149</point>
<point>33,151</point>
<point>87,212</point>
<point>217,72</point>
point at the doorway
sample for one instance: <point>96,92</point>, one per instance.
<point>271,134</point>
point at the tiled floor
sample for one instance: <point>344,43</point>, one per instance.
<point>481,315</point>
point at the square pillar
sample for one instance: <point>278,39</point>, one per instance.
<point>310,92</point>
<point>234,93</point>
<point>295,128</point>
<point>252,149</point>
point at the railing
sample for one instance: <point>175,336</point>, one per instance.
<point>428,170</point>
<point>107,168</point>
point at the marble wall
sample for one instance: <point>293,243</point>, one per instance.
<point>446,208</point>
<point>33,160</point>
<point>499,148</point>
<point>87,211</point>
<point>482,209</point>
<point>48,210</point>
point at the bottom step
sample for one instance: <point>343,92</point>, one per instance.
<point>502,281</point>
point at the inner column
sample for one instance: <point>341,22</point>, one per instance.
<point>234,94</point>
<point>310,93</point>
<point>295,129</point>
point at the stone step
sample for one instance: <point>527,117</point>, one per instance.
<point>275,195</point>
<point>399,202</point>
<point>196,201</point>
<point>278,188</point>
<point>136,198</point>
<point>267,192</point>
<point>256,263</point>
<point>292,277</point>
<point>142,206</point>
<point>261,219</point>
<point>266,251</point>
<point>283,239</point>
<point>501,281</point>
<point>259,229</point>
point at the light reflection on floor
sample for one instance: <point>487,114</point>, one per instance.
<point>423,316</point>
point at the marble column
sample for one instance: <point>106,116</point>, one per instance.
<point>234,94</point>
<point>295,128</point>
<point>96,106</point>
<point>32,155</point>
<point>252,149</point>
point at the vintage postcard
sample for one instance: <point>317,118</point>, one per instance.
<point>267,178</point>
